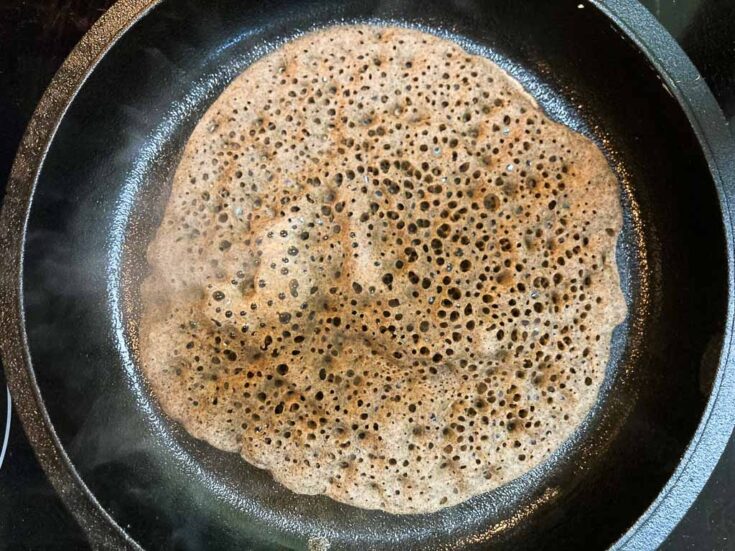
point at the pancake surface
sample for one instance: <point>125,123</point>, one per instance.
<point>383,273</point>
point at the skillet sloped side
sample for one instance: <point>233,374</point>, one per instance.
<point>104,177</point>
<point>99,526</point>
<point>708,122</point>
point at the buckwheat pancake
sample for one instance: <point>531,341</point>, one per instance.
<point>383,273</point>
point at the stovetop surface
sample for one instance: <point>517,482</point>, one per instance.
<point>36,36</point>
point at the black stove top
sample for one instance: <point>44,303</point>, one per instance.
<point>35,37</point>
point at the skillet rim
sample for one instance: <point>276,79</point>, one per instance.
<point>633,21</point>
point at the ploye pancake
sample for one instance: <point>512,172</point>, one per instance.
<point>383,273</point>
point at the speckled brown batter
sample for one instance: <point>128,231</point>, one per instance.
<point>383,273</point>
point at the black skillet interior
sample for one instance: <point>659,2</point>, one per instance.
<point>105,181</point>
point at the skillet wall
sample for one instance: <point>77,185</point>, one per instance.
<point>97,170</point>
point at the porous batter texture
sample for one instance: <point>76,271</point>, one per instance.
<point>383,274</point>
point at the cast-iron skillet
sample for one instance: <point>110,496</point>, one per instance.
<point>92,176</point>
